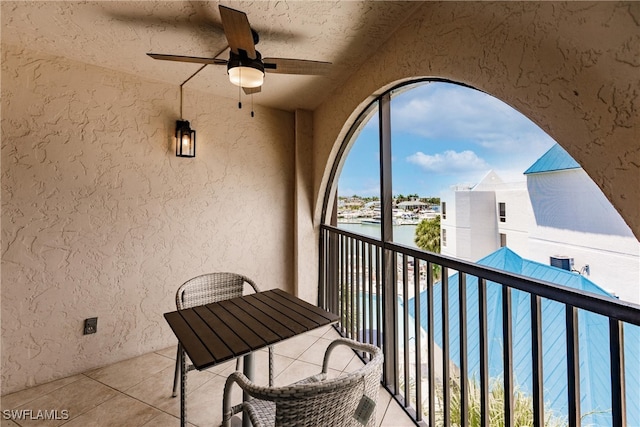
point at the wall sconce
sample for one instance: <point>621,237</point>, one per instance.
<point>185,136</point>
<point>185,139</point>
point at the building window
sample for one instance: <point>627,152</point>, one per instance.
<point>444,210</point>
<point>444,237</point>
<point>503,240</point>
<point>502,207</point>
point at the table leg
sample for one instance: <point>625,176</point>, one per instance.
<point>183,388</point>
<point>247,370</point>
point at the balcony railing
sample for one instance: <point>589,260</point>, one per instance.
<point>471,345</point>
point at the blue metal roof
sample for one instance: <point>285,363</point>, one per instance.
<point>553,160</point>
<point>595,386</point>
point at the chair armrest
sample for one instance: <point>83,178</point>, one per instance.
<point>354,345</point>
<point>251,283</point>
<point>227,410</point>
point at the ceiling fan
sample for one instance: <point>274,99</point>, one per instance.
<point>246,66</point>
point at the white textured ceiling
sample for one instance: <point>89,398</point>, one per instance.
<point>117,35</point>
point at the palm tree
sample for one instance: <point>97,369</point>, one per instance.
<point>428,235</point>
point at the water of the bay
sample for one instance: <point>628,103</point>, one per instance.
<point>402,234</point>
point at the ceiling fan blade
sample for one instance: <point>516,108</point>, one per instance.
<point>193,59</point>
<point>198,22</point>
<point>252,90</point>
<point>238,31</point>
<point>296,66</point>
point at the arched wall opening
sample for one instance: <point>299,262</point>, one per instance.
<point>587,103</point>
<point>567,67</point>
<point>364,270</point>
<point>555,209</point>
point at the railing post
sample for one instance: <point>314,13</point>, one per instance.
<point>390,322</point>
<point>418,342</point>
<point>464,393</point>
<point>329,278</point>
<point>405,330</point>
<point>362,336</point>
<point>536,361</point>
<point>484,353</point>
<point>334,272</point>
<point>380,297</point>
<point>618,392</point>
<point>343,294</point>
<point>573,366</point>
<point>352,297</point>
<point>323,270</point>
<point>371,269</point>
<point>430,346</point>
<point>446,376</point>
<point>507,354</point>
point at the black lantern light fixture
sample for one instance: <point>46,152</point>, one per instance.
<point>185,139</point>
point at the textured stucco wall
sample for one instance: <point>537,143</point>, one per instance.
<point>306,247</point>
<point>570,67</point>
<point>99,218</point>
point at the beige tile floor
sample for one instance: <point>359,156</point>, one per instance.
<point>137,392</point>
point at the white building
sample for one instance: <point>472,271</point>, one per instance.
<point>558,215</point>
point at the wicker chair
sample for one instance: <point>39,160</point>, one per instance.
<point>313,402</point>
<point>206,289</point>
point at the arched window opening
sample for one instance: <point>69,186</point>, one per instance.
<point>442,135</point>
<point>504,182</point>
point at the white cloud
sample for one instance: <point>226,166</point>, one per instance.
<point>449,112</point>
<point>449,162</point>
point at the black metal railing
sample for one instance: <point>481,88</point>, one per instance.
<point>441,322</point>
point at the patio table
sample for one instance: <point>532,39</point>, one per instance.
<point>214,333</point>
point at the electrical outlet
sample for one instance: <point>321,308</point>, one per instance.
<point>90,325</point>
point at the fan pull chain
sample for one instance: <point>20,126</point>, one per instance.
<point>240,91</point>
<point>252,105</point>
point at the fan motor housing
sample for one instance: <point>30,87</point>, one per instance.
<point>242,60</point>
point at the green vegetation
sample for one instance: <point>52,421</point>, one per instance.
<point>428,239</point>
<point>428,235</point>
<point>433,201</point>
<point>363,199</point>
<point>522,407</point>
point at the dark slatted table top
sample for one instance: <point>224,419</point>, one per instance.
<point>214,333</point>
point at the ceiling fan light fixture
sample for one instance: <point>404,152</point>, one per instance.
<point>244,71</point>
<point>246,77</point>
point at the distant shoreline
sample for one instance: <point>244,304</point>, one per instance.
<point>403,234</point>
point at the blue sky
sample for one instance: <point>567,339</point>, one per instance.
<point>442,135</point>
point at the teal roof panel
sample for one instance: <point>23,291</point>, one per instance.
<point>553,160</point>
<point>593,338</point>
